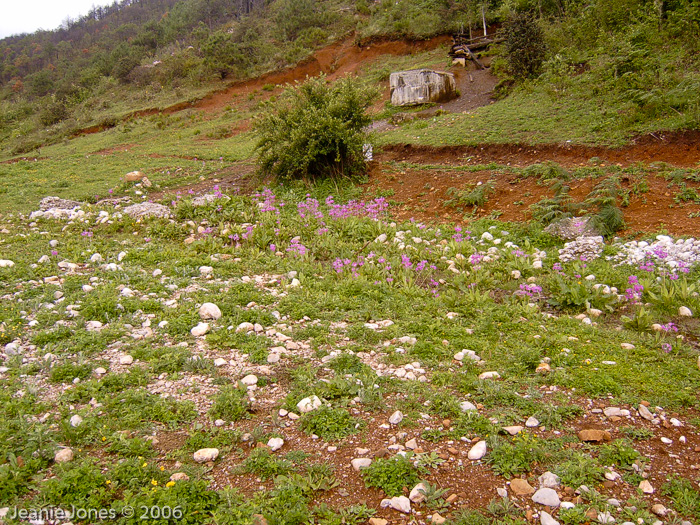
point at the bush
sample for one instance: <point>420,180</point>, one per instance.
<point>315,130</point>
<point>230,404</point>
<point>524,46</point>
<point>392,475</point>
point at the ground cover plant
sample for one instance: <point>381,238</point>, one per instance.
<point>301,336</point>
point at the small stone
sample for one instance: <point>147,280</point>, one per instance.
<point>377,521</point>
<point>645,413</point>
<point>521,487</point>
<point>412,444</point>
<point>437,519</point>
<point>401,503</point>
<point>126,360</point>
<point>592,435</point>
<point>308,404</point>
<point>478,451</point>
<point>219,423</point>
<point>546,496</point>
<point>249,380</point>
<point>659,510</point>
<point>206,454</point>
<point>627,346</point>
<point>273,358</point>
<point>547,519</point>
<point>75,421</point>
<point>209,311</point>
<point>6,263</point>
<point>200,329</point>
<point>502,493</point>
<point>549,480</point>
<point>612,412</point>
<point>513,430</point>
<point>359,463</point>
<point>646,487</point>
<point>220,361</point>
<point>532,422</point>
<point>63,456</point>
<point>466,406</point>
<point>605,517</point>
<point>100,371</point>
<point>179,476</point>
<point>684,311</point>
<point>275,443</point>
<point>396,418</point>
<point>417,494</point>
<point>489,375</point>
<point>543,368</point>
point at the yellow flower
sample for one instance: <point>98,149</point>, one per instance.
<point>162,469</point>
<point>144,465</point>
<point>588,361</point>
<point>154,482</point>
<point>108,482</point>
<point>104,438</point>
<point>170,484</point>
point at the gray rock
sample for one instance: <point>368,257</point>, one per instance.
<point>570,228</point>
<point>308,403</point>
<point>206,454</point>
<point>63,456</point>
<point>396,418</point>
<point>478,451</point>
<point>547,519</point>
<point>421,86</point>
<point>417,494</point>
<point>147,209</point>
<point>645,413</point>
<point>466,406</point>
<point>359,463</point>
<point>48,203</point>
<point>275,443</point>
<point>546,496</point>
<point>401,503</point>
<point>549,480</point>
<point>209,311</point>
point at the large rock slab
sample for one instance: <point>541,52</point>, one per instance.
<point>421,86</point>
<point>147,209</point>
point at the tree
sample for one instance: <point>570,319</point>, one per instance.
<point>524,45</point>
<point>315,130</point>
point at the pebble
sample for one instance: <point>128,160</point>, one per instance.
<point>466,406</point>
<point>359,463</point>
<point>478,451</point>
<point>646,487</point>
<point>206,454</point>
<point>489,375</point>
<point>251,379</point>
<point>179,476</point>
<point>401,503</point>
<point>513,430</point>
<point>684,311</point>
<point>605,517</point>
<point>645,413</point>
<point>549,480</point>
<point>126,360</point>
<point>521,487</point>
<point>546,496</point>
<point>547,519</point>
<point>532,422</point>
<point>200,329</point>
<point>63,456</point>
<point>6,263</point>
<point>308,404</point>
<point>209,311</point>
<point>417,494</point>
<point>75,421</point>
<point>396,418</point>
<point>275,443</point>
<point>659,510</point>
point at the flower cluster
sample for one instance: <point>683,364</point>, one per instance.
<point>634,293</point>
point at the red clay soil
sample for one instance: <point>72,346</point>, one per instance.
<point>422,191</point>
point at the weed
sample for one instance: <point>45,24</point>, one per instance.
<point>329,423</point>
<point>392,475</point>
<point>230,404</point>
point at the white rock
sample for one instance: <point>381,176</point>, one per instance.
<point>245,327</point>
<point>75,421</point>
<point>96,258</point>
<point>308,404</point>
<point>209,311</point>
<point>63,456</point>
<point>359,463</point>
<point>478,451</point>
<point>605,517</point>
<point>401,503</point>
<point>547,519</point>
<point>396,418</point>
<point>627,346</point>
<point>93,326</point>
<point>466,406</point>
<point>646,487</point>
<point>645,413</point>
<point>220,361</point>
<point>206,270</point>
<point>126,360</point>
<point>157,272</point>
<point>532,422</point>
<point>200,329</point>
<point>489,375</point>
<point>5,263</point>
<point>549,480</point>
<point>417,494</point>
<point>206,454</point>
<point>127,292</point>
<point>546,496</point>
<point>684,311</point>
<point>275,443</point>
<point>249,380</point>
<point>100,371</point>
<point>44,259</point>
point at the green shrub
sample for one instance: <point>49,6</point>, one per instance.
<point>329,423</point>
<point>230,404</point>
<point>392,474</point>
<point>315,130</point>
<point>524,45</point>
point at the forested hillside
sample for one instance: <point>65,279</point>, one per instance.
<point>638,56</point>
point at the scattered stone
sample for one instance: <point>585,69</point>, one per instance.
<point>659,510</point>
<point>134,176</point>
<point>275,444</point>
<point>605,517</point>
<point>401,503</point>
<point>359,463</point>
<point>205,455</point>
<point>521,487</point>
<point>437,519</point>
<point>126,360</point>
<point>200,329</point>
<point>179,476</point>
<point>412,444</point>
<point>5,263</point>
<point>546,496</point>
<point>543,368</point>
<point>147,209</point>
<point>220,361</point>
<point>308,404</point>
<point>645,413</point>
<point>417,494</point>
<point>75,421</point>
<point>513,430</point>
<point>63,456</point>
<point>532,422</point>
<point>396,418</point>
<point>549,480</point>
<point>377,521</point>
<point>48,203</point>
<point>547,519</point>
<point>466,406</point>
<point>592,435</point>
<point>684,311</point>
<point>627,346</point>
<point>209,311</point>
<point>646,487</point>
<point>478,451</point>
<point>250,380</point>
<point>489,375</point>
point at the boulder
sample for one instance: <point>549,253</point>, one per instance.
<point>421,86</point>
<point>147,209</point>
<point>57,203</point>
<point>134,176</point>
<point>571,227</point>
